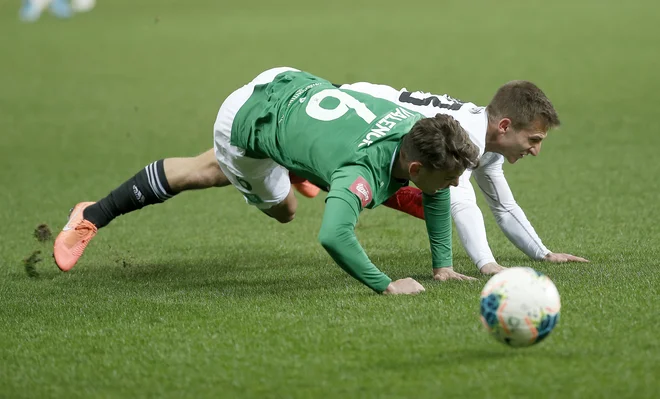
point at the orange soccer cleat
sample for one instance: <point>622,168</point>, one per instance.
<point>74,237</point>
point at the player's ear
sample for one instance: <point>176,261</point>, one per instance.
<point>503,125</point>
<point>414,168</point>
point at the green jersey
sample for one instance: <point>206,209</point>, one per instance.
<point>341,140</point>
<point>325,134</point>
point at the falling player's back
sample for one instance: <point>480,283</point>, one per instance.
<point>313,128</point>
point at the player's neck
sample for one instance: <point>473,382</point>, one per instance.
<point>399,171</point>
<point>491,142</point>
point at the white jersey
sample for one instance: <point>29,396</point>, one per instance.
<point>470,116</point>
<point>489,176</point>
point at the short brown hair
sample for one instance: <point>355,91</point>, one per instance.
<point>440,143</point>
<point>525,104</point>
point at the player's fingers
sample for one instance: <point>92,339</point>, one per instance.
<point>578,259</point>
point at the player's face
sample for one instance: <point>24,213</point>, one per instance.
<point>518,143</point>
<point>431,180</point>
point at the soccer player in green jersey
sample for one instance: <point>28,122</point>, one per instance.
<point>362,148</point>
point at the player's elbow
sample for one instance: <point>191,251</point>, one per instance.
<point>328,239</point>
<point>333,240</point>
<point>503,215</point>
<point>501,210</point>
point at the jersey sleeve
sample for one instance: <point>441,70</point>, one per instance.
<point>469,222</point>
<point>350,192</point>
<point>353,184</point>
<point>437,213</point>
<point>508,214</point>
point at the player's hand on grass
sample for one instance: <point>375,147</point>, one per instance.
<point>406,286</point>
<point>561,258</point>
<point>491,268</point>
<point>448,273</point>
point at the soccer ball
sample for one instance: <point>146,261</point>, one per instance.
<point>520,306</point>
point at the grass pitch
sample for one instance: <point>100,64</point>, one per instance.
<point>205,297</point>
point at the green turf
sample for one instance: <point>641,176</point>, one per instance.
<point>205,297</point>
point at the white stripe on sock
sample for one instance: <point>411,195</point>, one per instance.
<point>160,186</point>
<point>151,183</point>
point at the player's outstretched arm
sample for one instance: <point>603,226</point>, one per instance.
<point>511,218</point>
<point>465,212</point>
<point>437,214</point>
<point>337,236</point>
<point>471,227</point>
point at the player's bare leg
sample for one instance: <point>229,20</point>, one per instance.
<point>194,173</point>
<point>156,183</point>
<point>285,211</point>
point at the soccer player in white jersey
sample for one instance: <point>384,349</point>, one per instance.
<point>488,127</point>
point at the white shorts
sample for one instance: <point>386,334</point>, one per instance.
<point>263,182</point>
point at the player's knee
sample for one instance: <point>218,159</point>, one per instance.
<point>212,176</point>
<point>201,171</point>
<point>327,239</point>
<point>285,211</point>
<point>205,173</point>
<point>282,215</point>
<point>286,218</point>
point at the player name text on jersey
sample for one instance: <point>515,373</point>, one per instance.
<point>384,125</point>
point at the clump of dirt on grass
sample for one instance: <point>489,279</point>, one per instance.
<point>42,233</point>
<point>30,264</point>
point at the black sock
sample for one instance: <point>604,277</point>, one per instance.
<point>148,186</point>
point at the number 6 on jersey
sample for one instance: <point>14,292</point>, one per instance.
<point>346,102</point>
